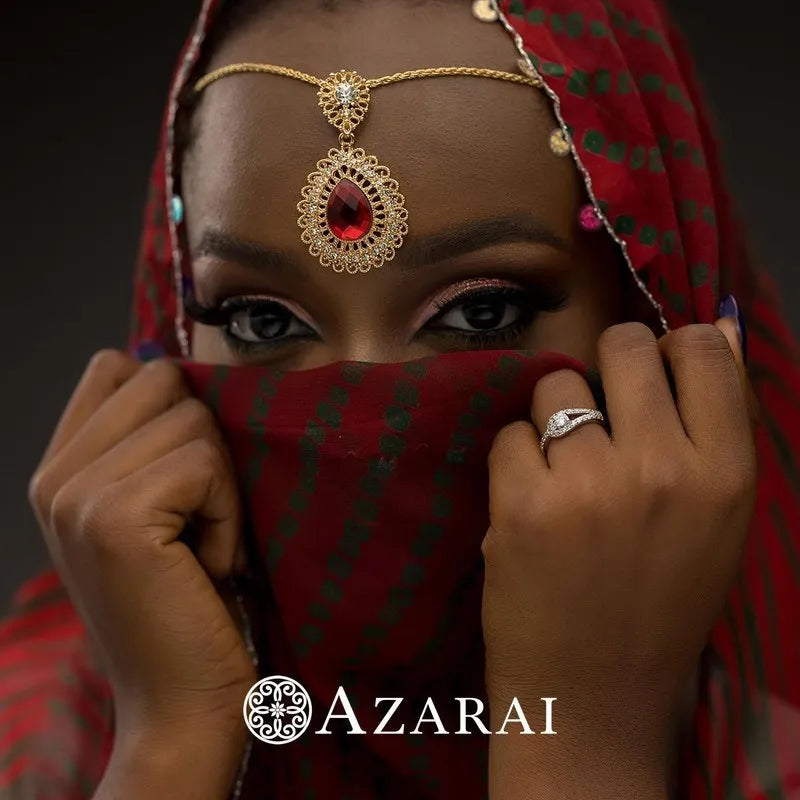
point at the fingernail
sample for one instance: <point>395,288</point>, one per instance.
<point>730,308</point>
<point>147,351</point>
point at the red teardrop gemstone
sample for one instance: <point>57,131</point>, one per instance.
<point>349,212</point>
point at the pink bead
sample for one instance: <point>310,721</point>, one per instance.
<point>588,219</point>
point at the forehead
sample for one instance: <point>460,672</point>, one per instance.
<point>461,148</point>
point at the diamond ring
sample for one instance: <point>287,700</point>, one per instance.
<point>566,420</point>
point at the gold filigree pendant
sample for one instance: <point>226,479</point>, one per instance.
<point>352,214</point>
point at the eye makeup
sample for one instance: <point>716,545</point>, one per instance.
<point>253,324</point>
<point>473,313</point>
<point>463,290</point>
<point>219,314</point>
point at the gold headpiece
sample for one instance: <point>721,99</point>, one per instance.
<point>352,213</point>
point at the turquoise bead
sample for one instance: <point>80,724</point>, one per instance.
<point>176,209</point>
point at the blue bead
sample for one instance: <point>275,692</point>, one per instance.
<point>176,209</point>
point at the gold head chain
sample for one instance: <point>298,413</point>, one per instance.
<point>352,214</point>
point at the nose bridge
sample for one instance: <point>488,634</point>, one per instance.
<point>368,319</point>
<point>371,340</point>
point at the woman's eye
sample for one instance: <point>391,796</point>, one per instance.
<point>481,315</point>
<point>264,322</point>
<point>489,311</point>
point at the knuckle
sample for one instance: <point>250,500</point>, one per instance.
<point>619,340</point>
<point>587,501</point>
<point>84,521</point>
<point>165,374</point>
<point>195,414</point>
<point>207,455</point>
<point>491,548</point>
<point>514,517</point>
<point>505,536</point>
<point>487,546</point>
<point>107,360</point>
<point>39,494</point>
<point>561,379</point>
<point>737,480</point>
<point>65,510</point>
<point>704,340</point>
<point>95,522</point>
<point>659,473</point>
<point>584,490</point>
<point>520,508</point>
<point>508,442</point>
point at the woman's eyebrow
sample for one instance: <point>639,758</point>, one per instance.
<point>414,254</point>
<point>228,247</point>
<point>471,236</point>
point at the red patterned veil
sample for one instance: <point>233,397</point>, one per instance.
<point>359,532</point>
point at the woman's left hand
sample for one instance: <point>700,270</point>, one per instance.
<point>609,560</point>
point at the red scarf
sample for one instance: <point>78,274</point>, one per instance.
<point>366,491</point>
<point>374,574</point>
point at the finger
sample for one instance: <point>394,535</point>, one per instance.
<point>106,372</point>
<point>151,390</point>
<point>728,326</point>
<point>638,396</point>
<point>188,420</point>
<point>206,491</point>
<point>515,461</point>
<point>562,389</point>
<point>708,390</point>
<point>150,508</point>
<point>182,423</point>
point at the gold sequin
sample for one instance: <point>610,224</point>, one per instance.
<point>483,10</point>
<point>559,143</point>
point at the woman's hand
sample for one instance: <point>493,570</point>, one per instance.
<point>609,560</point>
<point>132,460</point>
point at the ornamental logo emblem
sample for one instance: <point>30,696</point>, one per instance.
<point>277,709</point>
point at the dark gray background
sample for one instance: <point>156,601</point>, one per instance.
<point>82,91</point>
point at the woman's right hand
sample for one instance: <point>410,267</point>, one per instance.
<point>133,459</point>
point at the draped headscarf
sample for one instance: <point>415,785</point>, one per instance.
<point>368,531</point>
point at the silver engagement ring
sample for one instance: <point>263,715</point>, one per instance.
<point>566,420</point>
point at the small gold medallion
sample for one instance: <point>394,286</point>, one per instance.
<point>484,11</point>
<point>559,143</point>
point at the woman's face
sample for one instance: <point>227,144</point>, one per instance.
<point>494,257</point>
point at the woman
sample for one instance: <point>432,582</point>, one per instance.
<point>328,521</point>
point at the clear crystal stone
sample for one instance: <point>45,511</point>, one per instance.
<point>560,420</point>
<point>345,93</point>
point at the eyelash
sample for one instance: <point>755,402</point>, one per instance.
<point>529,300</point>
<point>220,316</point>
